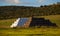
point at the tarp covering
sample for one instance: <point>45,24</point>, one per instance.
<point>32,22</point>
<point>19,22</point>
<point>22,21</point>
<point>15,23</point>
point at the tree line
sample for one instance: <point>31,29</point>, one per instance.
<point>7,12</point>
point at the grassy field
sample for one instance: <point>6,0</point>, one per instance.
<point>30,32</point>
<point>6,23</point>
<point>6,31</point>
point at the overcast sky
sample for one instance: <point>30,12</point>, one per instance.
<point>27,2</point>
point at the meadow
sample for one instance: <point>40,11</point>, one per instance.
<point>5,30</point>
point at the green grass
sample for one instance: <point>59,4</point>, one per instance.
<point>30,31</point>
<point>7,22</point>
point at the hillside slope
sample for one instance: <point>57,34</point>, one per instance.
<point>25,11</point>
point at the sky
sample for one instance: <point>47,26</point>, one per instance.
<point>27,2</point>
